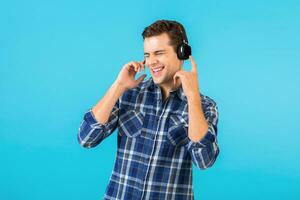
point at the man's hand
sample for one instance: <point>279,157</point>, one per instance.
<point>189,80</point>
<point>126,77</point>
<point>198,125</point>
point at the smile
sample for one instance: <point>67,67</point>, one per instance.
<point>157,71</point>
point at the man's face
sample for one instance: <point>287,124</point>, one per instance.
<point>161,59</point>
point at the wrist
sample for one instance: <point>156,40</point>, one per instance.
<point>195,97</point>
<point>119,87</point>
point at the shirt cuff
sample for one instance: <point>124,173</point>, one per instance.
<point>90,119</point>
<point>208,139</point>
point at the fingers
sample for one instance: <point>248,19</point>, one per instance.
<point>194,67</point>
<point>143,64</point>
<point>134,66</point>
<point>177,75</point>
<point>140,67</point>
<point>137,66</point>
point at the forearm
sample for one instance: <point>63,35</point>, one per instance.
<point>198,126</point>
<point>104,107</point>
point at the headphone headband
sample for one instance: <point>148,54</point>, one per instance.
<point>182,31</point>
<point>183,50</point>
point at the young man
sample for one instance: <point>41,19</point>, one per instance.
<point>164,123</point>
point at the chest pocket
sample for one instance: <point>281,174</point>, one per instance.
<point>178,131</point>
<point>131,123</point>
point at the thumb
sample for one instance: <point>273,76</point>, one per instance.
<point>175,78</point>
<point>141,78</point>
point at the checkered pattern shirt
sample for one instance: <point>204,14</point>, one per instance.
<point>154,155</point>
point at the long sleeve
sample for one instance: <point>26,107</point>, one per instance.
<point>205,152</point>
<point>91,132</point>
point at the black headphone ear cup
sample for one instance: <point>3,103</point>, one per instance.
<point>184,51</point>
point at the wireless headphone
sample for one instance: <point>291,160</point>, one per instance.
<point>184,49</point>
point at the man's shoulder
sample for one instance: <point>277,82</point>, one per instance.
<point>207,101</point>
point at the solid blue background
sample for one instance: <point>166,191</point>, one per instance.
<point>58,58</point>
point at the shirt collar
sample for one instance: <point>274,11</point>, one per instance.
<point>179,91</point>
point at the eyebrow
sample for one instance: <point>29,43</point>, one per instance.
<point>158,51</point>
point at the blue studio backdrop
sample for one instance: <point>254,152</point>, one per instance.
<point>58,58</point>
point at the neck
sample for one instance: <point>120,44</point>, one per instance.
<point>168,87</point>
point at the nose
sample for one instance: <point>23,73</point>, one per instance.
<point>151,61</point>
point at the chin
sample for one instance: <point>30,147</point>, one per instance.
<point>160,80</point>
<point>156,81</point>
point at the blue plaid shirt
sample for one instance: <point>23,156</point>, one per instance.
<point>154,154</point>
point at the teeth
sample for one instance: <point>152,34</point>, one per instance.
<point>157,69</point>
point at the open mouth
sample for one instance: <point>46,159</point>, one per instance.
<point>157,71</point>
